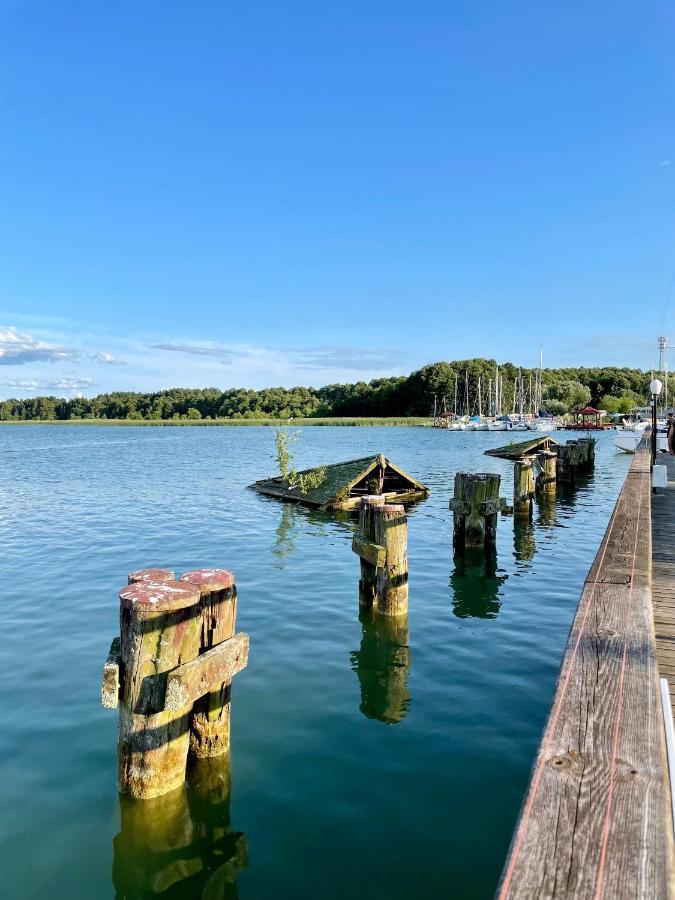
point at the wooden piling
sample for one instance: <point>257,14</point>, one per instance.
<point>545,484</point>
<point>368,581</point>
<point>210,731</point>
<point>475,507</point>
<point>154,576</point>
<point>391,532</point>
<point>523,488</point>
<point>160,629</point>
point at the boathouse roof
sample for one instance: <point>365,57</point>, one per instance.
<point>346,482</point>
<point>524,448</point>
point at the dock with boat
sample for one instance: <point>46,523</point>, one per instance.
<point>597,818</point>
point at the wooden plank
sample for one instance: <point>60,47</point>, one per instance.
<point>596,819</point>
<point>110,685</point>
<point>371,552</point>
<point>188,682</point>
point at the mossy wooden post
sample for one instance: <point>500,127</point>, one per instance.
<point>160,629</point>
<point>154,576</point>
<point>391,532</point>
<point>523,488</point>
<point>546,479</point>
<point>210,732</point>
<point>564,468</point>
<point>368,581</point>
<point>588,461</point>
<point>475,507</point>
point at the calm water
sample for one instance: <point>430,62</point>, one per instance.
<point>367,762</point>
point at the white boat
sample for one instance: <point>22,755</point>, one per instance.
<point>628,440</point>
<point>542,423</point>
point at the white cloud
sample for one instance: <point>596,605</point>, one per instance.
<point>18,348</point>
<point>107,358</point>
<point>196,349</point>
<point>68,383</point>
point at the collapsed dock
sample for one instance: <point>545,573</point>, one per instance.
<point>345,483</point>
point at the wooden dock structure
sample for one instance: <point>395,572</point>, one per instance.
<point>596,821</point>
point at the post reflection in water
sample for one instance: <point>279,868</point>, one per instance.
<point>524,541</point>
<point>382,664</point>
<point>181,845</point>
<point>475,583</point>
<point>546,511</point>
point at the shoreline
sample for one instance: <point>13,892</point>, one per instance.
<point>355,421</point>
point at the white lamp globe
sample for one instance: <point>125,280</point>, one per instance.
<point>655,387</point>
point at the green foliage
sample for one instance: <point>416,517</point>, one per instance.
<point>572,394</point>
<point>309,481</point>
<point>283,438</point>
<point>555,407</point>
<point>621,404</point>
<point>413,395</point>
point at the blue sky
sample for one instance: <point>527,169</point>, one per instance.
<point>299,193</point>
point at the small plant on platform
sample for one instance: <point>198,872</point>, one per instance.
<point>309,481</point>
<point>283,438</point>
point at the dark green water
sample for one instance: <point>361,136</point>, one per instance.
<point>368,761</point>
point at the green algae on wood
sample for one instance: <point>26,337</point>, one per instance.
<point>347,482</point>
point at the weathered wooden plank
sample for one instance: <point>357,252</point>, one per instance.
<point>369,551</point>
<point>596,819</point>
<point>110,685</point>
<point>193,679</point>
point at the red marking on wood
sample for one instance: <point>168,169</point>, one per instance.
<point>153,575</point>
<point>159,597</point>
<point>210,579</point>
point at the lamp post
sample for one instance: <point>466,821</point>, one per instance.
<point>655,389</point>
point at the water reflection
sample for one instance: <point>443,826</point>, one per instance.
<point>524,542</point>
<point>546,511</point>
<point>476,582</point>
<point>181,845</point>
<point>382,664</point>
<point>284,543</point>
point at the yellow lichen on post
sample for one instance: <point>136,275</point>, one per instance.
<point>210,732</point>
<point>368,581</point>
<point>523,488</point>
<point>391,532</point>
<point>160,629</point>
<point>546,479</point>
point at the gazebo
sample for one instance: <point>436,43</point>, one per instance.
<point>588,418</point>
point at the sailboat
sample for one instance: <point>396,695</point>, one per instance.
<point>540,422</point>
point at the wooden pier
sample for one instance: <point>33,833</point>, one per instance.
<point>596,820</point>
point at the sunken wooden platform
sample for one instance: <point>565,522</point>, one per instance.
<point>524,449</point>
<point>347,482</point>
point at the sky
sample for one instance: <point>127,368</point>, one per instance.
<point>259,194</point>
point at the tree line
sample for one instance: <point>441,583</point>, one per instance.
<point>442,384</point>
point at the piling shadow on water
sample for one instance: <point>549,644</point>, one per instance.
<point>382,664</point>
<point>181,845</point>
<point>475,583</point>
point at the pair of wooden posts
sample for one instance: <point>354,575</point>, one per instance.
<point>382,545</point>
<point>475,508</point>
<point>170,671</point>
<point>575,456</point>
<point>526,483</point>
<point>477,504</point>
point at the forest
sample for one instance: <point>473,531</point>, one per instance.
<point>443,385</point>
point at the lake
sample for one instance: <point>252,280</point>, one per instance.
<point>368,760</point>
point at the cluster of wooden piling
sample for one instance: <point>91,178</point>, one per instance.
<point>538,469</point>
<point>170,671</point>
<point>475,508</point>
<point>575,457</point>
<point>382,545</point>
